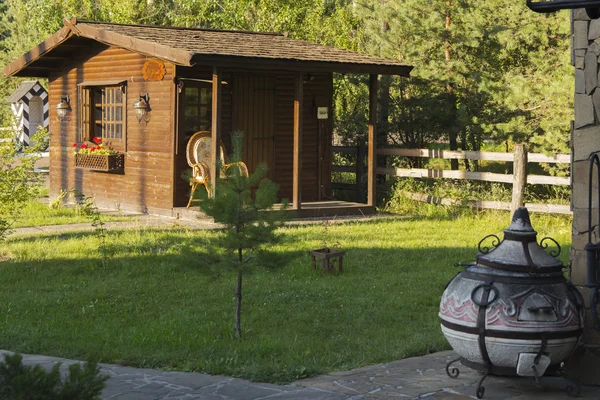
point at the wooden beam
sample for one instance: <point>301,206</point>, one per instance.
<point>111,38</point>
<point>307,66</point>
<point>372,142</point>
<point>297,159</point>
<point>216,129</point>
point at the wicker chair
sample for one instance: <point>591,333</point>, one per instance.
<point>198,154</point>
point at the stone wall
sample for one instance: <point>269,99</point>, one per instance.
<point>585,140</point>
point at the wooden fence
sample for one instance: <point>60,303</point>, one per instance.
<point>518,179</point>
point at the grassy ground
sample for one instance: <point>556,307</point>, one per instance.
<point>159,303</point>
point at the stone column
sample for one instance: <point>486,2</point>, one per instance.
<point>585,139</point>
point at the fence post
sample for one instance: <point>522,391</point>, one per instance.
<point>519,177</point>
<point>360,171</point>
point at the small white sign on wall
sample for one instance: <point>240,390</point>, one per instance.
<point>322,112</point>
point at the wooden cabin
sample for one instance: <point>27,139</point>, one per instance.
<point>277,90</point>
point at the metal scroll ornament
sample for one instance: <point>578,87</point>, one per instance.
<point>512,312</point>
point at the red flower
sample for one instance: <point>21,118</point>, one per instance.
<point>74,144</point>
<point>97,140</point>
<point>93,149</point>
<point>84,146</point>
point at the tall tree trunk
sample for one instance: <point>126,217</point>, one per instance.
<point>452,133</point>
<point>383,124</point>
<point>238,306</point>
<point>464,146</point>
<point>238,297</point>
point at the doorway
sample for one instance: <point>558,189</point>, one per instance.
<point>194,115</point>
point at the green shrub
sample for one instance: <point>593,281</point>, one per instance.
<point>24,382</point>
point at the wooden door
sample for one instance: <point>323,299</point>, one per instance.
<point>253,112</point>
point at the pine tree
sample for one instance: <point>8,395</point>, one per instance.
<point>248,218</point>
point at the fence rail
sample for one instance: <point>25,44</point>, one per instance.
<point>519,158</point>
<point>471,155</point>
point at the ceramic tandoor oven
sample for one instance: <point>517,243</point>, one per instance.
<point>512,311</point>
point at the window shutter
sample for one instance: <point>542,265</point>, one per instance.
<point>85,117</point>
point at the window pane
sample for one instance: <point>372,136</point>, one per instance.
<point>191,95</point>
<point>205,96</point>
<point>107,113</point>
<point>98,97</point>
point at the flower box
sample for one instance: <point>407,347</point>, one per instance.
<point>100,162</point>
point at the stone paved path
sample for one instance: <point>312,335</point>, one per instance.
<point>413,378</point>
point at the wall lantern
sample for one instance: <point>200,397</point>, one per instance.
<point>142,108</point>
<point>591,6</point>
<point>63,107</point>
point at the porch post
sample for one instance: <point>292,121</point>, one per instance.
<point>215,129</point>
<point>298,100</point>
<point>372,150</point>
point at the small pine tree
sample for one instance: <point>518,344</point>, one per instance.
<point>25,382</point>
<point>248,228</point>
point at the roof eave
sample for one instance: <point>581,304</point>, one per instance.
<point>300,65</point>
<point>37,52</point>
<point>21,66</point>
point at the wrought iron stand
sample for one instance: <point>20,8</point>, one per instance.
<point>572,387</point>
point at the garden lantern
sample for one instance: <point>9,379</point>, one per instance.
<point>142,108</point>
<point>512,311</point>
<point>62,107</point>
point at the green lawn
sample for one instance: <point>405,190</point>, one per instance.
<point>38,214</point>
<point>159,303</point>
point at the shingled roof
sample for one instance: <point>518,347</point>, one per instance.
<point>188,47</point>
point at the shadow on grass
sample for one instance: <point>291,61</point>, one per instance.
<point>164,311</point>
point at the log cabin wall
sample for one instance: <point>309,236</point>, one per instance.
<point>146,182</point>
